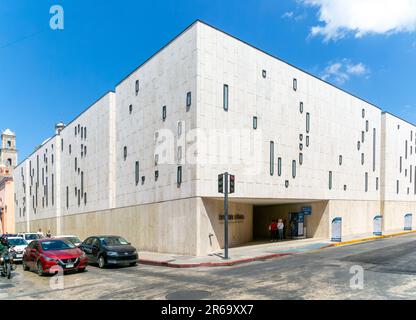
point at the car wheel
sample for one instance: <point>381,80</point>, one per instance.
<point>81,270</point>
<point>25,267</point>
<point>40,269</point>
<point>133,264</point>
<point>101,262</point>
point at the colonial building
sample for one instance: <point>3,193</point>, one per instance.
<point>8,160</point>
<point>143,161</point>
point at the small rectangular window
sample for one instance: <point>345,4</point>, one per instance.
<point>225,97</point>
<point>255,123</point>
<point>137,87</point>
<point>340,160</point>
<point>362,158</point>
<point>264,74</point>
<point>130,109</point>
<point>295,84</point>
<point>179,176</point>
<point>125,153</point>
<point>367,126</point>
<point>156,175</point>
<point>85,198</point>
<point>179,153</point>
<point>188,100</point>
<point>279,167</point>
<point>62,145</point>
<point>366,182</point>
<point>330,180</point>
<point>85,133</point>
<point>300,159</point>
<point>137,173</point>
<point>76,164</point>
<point>164,113</point>
<point>301,107</point>
<point>308,122</point>
<point>398,186</point>
<point>294,169</point>
<point>67,197</point>
<point>271,158</point>
<point>362,136</point>
<point>156,159</point>
<point>179,128</point>
<point>307,141</point>
<point>363,113</point>
<point>377,183</point>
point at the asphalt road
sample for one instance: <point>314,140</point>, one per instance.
<point>388,265</point>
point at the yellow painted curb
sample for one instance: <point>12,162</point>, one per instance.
<point>372,238</point>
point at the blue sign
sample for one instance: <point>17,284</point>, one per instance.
<point>307,211</point>
<point>337,229</point>
<point>408,222</point>
<point>378,225</point>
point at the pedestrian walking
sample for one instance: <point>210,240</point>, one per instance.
<point>280,227</point>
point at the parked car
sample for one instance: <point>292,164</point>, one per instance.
<point>73,239</point>
<point>44,254</point>
<point>29,237</point>
<point>109,250</point>
<point>17,247</point>
<point>7,235</point>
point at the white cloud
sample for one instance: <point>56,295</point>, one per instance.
<point>362,17</point>
<point>288,14</point>
<point>341,71</point>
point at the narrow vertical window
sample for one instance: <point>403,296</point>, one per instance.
<point>363,113</point>
<point>377,183</point>
<point>300,159</point>
<point>137,173</point>
<point>85,198</point>
<point>301,107</point>
<point>62,145</point>
<point>76,164</point>
<point>179,176</point>
<point>405,150</point>
<point>70,149</point>
<point>82,182</point>
<point>67,197</point>
<point>367,126</point>
<point>330,180</point>
<point>255,123</point>
<point>79,198</point>
<point>397,186</point>
<point>179,153</point>
<point>340,160</point>
<point>264,74</point>
<point>307,141</point>
<point>362,136</point>
<point>362,158</point>
<point>374,149</point>
<point>294,169</point>
<point>137,87</point>
<point>308,122</point>
<point>366,182</point>
<point>225,97</point>
<point>164,113</point>
<point>130,109</point>
<point>401,164</point>
<point>85,133</point>
<point>271,158</point>
<point>188,100</point>
<point>125,153</point>
<point>279,167</point>
<point>295,84</point>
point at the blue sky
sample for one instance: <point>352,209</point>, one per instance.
<point>366,47</point>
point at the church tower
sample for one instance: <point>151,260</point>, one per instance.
<point>8,153</point>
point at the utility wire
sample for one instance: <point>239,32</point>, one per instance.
<point>21,39</point>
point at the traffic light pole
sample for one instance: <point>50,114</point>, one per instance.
<point>226,216</point>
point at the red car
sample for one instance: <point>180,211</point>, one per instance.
<point>47,256</point>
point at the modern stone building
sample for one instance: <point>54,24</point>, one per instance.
<point>143,161</point>
<point>8,160</point>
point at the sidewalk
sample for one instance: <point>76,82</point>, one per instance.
<point>255,251</point>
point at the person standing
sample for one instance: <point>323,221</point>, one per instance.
<point>280,227</point>
<point>48,234</point>
<point>271,230</point>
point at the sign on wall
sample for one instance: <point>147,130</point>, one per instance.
<point>307,211</point>
<point>408,222</point>
<point>377,225</point>
<point>337,229</point>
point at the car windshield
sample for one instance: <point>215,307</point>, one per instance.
<point>73,239</point>
<point>17,242</point>
<point>113,241</point>
<point>56,245</point>
<point>32,236</point>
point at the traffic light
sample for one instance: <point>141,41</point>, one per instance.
<point>232,184</point>
<point>221,183</point>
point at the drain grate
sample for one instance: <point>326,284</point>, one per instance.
<point>188,295</point>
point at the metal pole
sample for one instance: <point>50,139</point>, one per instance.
<point>226,215</point>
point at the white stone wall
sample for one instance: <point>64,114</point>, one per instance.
<point>336,126</point>
<point>164,80</point>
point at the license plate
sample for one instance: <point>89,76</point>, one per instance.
<point>19,255</point>
<point>70,265</point>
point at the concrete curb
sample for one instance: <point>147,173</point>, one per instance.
<point>264,257</point>
<point>211,264</point>
<point>343,243</point>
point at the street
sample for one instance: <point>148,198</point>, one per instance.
<point>389,273</point>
